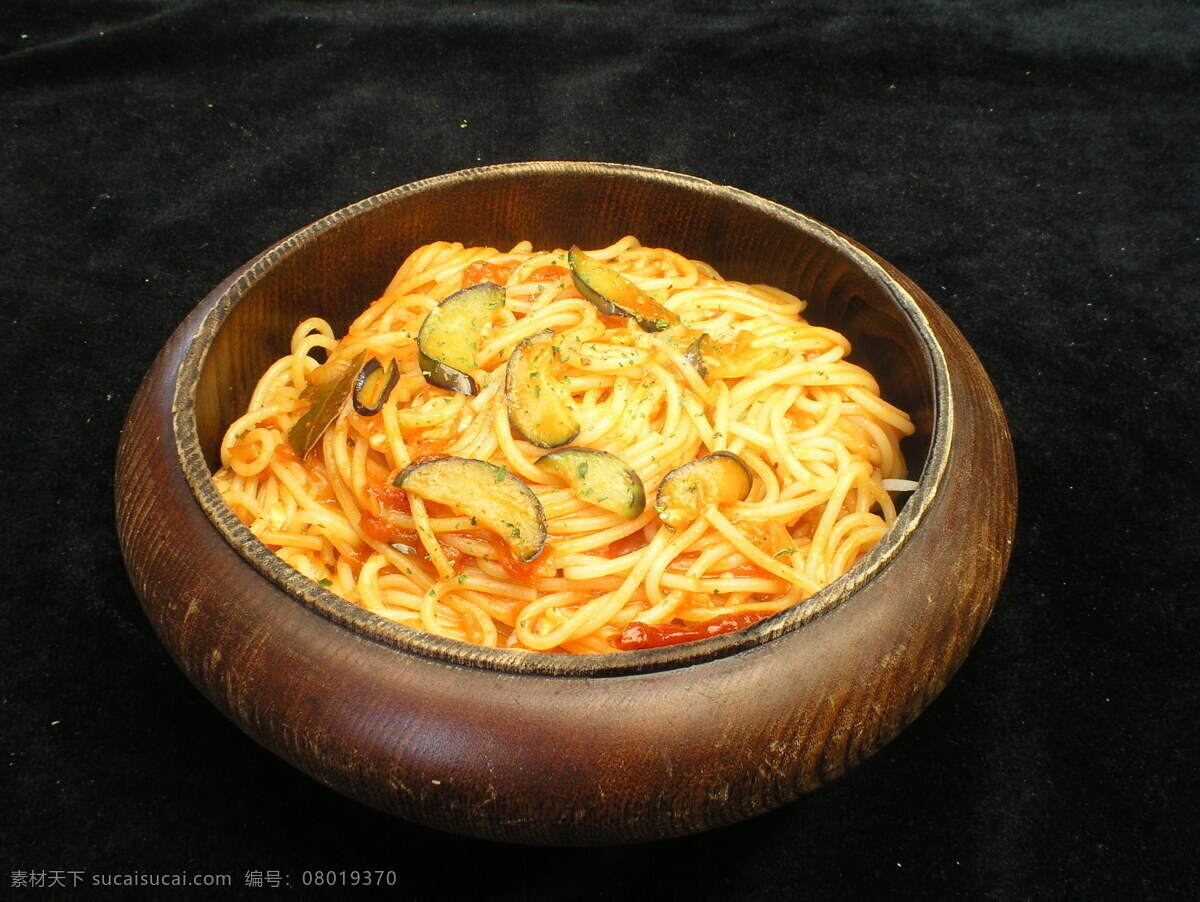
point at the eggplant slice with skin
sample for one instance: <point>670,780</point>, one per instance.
<point>598,478</point>
<point>614,295</point>
<point>373,385</point>
<point>686,491</point>
<point>449,340</point>
<point>494,497</point>
<point>539,406</point>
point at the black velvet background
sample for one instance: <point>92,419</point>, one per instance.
<point>1033,166</point>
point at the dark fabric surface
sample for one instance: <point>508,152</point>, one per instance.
<point>1033,166</point>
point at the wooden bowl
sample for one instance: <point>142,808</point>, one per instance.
<point>561,749</point>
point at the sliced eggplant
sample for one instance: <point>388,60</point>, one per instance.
<point>373,385</point>
<point>493,496</point>
<point>696,351</point>
<point>449,341</point>
<point>599,478</point>
<point>686,491</point>
<point>614,295</point>
<point>539,407</point>
<point>327,401</point>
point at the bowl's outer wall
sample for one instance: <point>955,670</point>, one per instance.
<point>565,760</point>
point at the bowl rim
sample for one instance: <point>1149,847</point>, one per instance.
<point>214,310</point>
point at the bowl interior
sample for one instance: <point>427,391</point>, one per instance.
<point>339,265</point>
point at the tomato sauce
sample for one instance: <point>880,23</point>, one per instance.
<point>644,635</point>
<point>387,498</point>
<point>480,272</point>
<point>457,558</point>
<point>752,570</point>
<point>517,569</point>
<point>635,541</point>
<point>286,454</point>
<point>549,273</point>
<point>243,453</point>
<point>383,530</point>
<point>377,522</point>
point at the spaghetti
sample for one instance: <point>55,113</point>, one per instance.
<point>579,452</point>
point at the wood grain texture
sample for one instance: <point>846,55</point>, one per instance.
<point>560,749</point>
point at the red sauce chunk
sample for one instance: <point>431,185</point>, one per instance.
<point>635,541</point>
<point>457,559</point>
<point>383,530</point>
<point>549,273</point>
<point>379,523</point>
<point>644,635</point>
<point>480,272</point>
<point>286,453</point>
<point>524,570</point>
<point>388,498</point>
